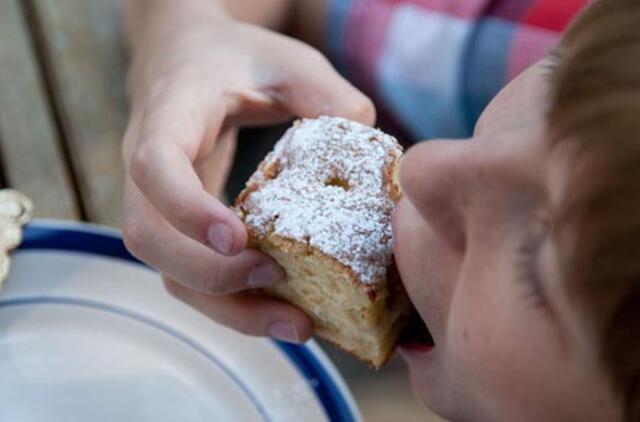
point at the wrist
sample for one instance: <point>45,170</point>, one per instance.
<point>161,31</point>
<point>153,22</point>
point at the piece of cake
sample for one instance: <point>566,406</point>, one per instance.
<point>320,204</point>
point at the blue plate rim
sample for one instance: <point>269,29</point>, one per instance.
<point>104,241</point>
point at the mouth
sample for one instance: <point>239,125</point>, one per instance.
<point>416,337</point>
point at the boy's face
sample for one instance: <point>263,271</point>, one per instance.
<point>478,260</point>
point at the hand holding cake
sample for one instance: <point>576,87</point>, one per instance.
<point>198,74</point>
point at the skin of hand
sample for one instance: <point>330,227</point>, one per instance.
<point>477,258</point>
<point>197,75</point>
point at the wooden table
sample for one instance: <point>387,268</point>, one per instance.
<point>62,106</point>
<point>62,115</point>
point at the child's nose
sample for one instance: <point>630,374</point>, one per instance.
<point>433,177</point>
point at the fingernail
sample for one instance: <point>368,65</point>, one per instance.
<point>264,275</point>
<point>220,238</point>
<point>285,331</point>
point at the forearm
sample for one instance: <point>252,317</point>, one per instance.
<point>149,16</point>
<point>150,22</point>
<point>154,25</point>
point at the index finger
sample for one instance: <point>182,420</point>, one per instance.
<point>162,167</point>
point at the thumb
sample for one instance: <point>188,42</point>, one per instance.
<point>312,87</point>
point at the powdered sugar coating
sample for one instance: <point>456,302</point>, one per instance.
<point>299,192</point>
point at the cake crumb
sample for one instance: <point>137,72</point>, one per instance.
<point>324,184</point>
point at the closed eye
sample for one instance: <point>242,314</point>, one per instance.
<point>528,268</point>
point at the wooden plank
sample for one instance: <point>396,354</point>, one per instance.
<point>83,47</point>
<point>32,159</point>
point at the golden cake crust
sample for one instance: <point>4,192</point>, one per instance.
<point>329,183</point>
<point>320,204</point>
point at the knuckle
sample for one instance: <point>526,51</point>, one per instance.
<point>217,285</point>
<point>315,57</point>
<point>240,319</point>
<point>304,53</point>
<point>218,282</point>
<point>247,326</point>
<point>204,280</point>
<point>232,320</point>
<point>362,109</point>
<point>166,82</point>
<point>178,212</point>
<point>134,236</point>
<point>128,141</point>
<point>172,287</point>
<point>139,166</point>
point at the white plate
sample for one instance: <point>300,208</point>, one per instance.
<point>87,333</point>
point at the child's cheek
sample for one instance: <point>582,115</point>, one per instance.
<point>482,349</point>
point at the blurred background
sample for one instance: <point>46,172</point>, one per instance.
<point>384,395</point>
<point>62,115</point>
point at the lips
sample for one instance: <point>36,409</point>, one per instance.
<point>416,336</point>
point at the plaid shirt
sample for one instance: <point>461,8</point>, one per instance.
<point>432,66</point>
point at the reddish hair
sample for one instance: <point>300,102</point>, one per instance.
<point>595,112</point>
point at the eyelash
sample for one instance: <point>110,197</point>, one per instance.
<point>528,270</point>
